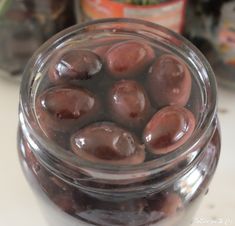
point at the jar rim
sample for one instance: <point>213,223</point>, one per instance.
<point>30,77</point>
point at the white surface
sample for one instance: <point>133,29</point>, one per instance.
<point>18,206</point>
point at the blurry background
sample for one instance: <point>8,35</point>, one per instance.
<point>26,24</point>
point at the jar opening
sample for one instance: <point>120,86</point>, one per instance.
<point>59,159</point>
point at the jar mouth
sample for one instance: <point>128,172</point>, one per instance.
<point>154,32</point>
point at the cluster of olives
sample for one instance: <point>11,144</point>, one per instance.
<point>137,91</point>
<point>158,207</point>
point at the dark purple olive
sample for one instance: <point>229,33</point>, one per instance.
<point>107,143</point>
<point>75,64</point>
<point>168,129</point>
<point>128,59</point>
<point>107,211</point>
<point>169,81</point>
<point>65,202</point>
<point>167,204</point>
<point>101,50</point>
<point>129,103</point>
<point>30,158</point>
<point>61,108</point>
<point>172,204</point>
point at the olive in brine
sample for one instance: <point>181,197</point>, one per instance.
<point>75,64</point>
<point>168,129</point>
<point>105,142</point>
<point>128,59</point>
<point>101,50</point>
<point>169,81</point>
<point>129,104</point>
<point>61,108</point>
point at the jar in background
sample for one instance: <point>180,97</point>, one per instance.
<point>25,25</point>
<point>211,27</point>
<point>167,13</point>
<point>156,190</point>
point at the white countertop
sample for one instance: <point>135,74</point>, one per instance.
<point>18,205</point>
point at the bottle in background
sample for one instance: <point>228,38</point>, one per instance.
<point>211,27</point>
<point>167,13</point>
<point>25,25</point>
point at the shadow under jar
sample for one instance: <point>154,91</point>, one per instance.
<point>102,138</point>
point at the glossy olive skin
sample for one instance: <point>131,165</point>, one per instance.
<point>101,50</point>
<point>172,204</point>
<point>105,142</point>
<point>75,64</point>
<point>129,104</point>
<point>169,81</point>
<point>166,203</point>
<point>128,59</point>
<point>61,108</point>
<point>168,129</point>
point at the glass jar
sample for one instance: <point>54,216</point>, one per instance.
<point>211,27</point>
<point>25,25</point>
<point>168,13</point>
<point>161,191</point>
